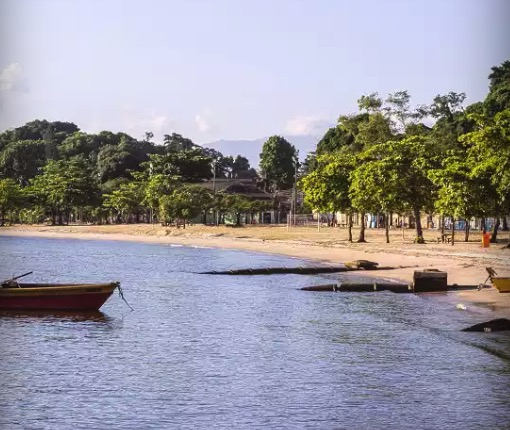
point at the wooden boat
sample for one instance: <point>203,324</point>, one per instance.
<point>501,283</point>
<point>82,297</point>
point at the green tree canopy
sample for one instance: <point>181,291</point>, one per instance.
<point>326,188</point>
<point>278,162</point>
<point>489,156</point>
<point>393,176</point>
<point>10,197</point>
<point>126,200</point>
<point>498,98</point>
<point>22,160</point>
<point>185,202</point>
<point>64,186</point>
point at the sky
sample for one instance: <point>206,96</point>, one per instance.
<point>237,69</point>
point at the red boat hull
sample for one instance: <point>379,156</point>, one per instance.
<point>82,302</point>
<point>76,297</point>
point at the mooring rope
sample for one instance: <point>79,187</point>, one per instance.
<point>121,294</point>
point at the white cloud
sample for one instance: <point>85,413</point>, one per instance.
<point>205,121</point>
<point>202,123</point>
<point>11,77</point>
<point>158,122</point>
<point>138,122</point>
<point>307,125</point>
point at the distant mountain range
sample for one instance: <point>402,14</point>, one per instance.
<point>251,149</point>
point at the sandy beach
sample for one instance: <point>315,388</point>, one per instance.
<point>464,262</point>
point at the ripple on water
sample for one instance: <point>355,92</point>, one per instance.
<point>237,352</point>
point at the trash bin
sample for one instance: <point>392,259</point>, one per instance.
<point>486,240</point>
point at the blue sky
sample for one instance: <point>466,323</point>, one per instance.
<point>237,69</point>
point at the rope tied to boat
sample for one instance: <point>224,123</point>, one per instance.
<point>121,294</point>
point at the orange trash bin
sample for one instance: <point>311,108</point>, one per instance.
<point>486,240</point>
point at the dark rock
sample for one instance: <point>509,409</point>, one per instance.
<point>326,287</point>
<point>362,264</point>
<point>498,324</point>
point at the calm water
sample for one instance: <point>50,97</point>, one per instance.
<point>250,352</point>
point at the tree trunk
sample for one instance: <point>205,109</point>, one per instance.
<point>362,229</point>
<point>453,231</point>
<point>466,231</point>
<point>505,224</point>
<point>494,235</point>
<point>482,225</point>
<point>184,223</point>
<point>350,227</point>
<point>442,225</point>
<point>419,229</point>
<point>387,227</point>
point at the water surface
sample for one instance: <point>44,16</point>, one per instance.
<point>237,352</point>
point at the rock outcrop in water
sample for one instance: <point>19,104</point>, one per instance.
<point>498,324</point>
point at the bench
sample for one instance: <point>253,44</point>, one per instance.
<point>447,237</point>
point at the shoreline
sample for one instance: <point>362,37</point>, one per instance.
<point>465,265</point>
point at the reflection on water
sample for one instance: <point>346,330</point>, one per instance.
<point>238,352</point>
<point>56,316</point>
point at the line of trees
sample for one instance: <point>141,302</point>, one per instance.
<point>386,159</point>
<point>53,171</point>
<point>389,157</point>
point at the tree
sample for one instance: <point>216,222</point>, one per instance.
<point>38,129</point>
<point>237,204</point>
<point>21,160</point>
<point>158,186</point>
<point>375,131</point>
<point>113,161</point>
<point>350,126</point>
<point>278,161</point>
<point>176,142</point>
<point>400,177</point>
<point>309,165</point>
<point>62,187</point>
<point>241,168</point>
<point>79,143</point>
<point>190,166</point>
<point>488,156</point>
<point>370,103</point>
<point>447,105</point>
<point>498,98</point>
<point>375,186</point>
<point>399,110</point>
<point>334,139</point>
<point>185,202</point>
<point>10,197</point>
<point>148,136</point>
<point>459,195</point>
<point>326,188</point>
<point>126,201</point>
